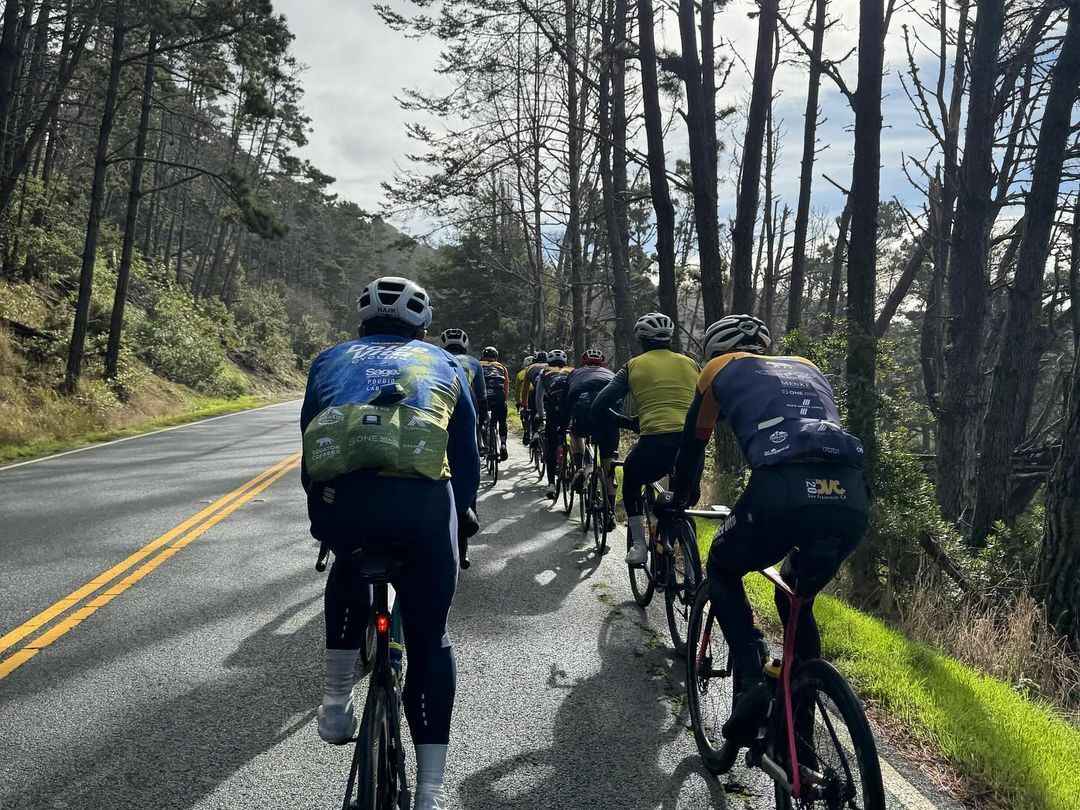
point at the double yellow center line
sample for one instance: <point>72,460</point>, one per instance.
<point>113,580</point>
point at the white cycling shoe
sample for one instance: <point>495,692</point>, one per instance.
<point>637,555</point>
<point>431,799</point>
<point>337,722</point>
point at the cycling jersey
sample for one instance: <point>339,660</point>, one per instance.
<point>519,379</point>
<point>496,380</point>
<point>527,385</point>
<point>474,373</point>
<point>780,408</point>
<point>661,383</point>
<point>587,379</point>
<point>551,388</point>
<point>391,406</point>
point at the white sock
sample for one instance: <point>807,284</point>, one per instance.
<point>430,767</point>
<point>340,668</point>
<point>636,525</point>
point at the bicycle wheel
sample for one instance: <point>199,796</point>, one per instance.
<point>684,576</point>
<point>709,685</point>
<point>584,508</point>
<point>568,488</point>
<point>373,776</point>
<point>643,577</point>
<point>493,462</point>
<point>838,761</point>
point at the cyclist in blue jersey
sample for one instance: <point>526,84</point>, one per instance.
<point>805,500</point>
<point>390,458</point>
<point>586,381</point>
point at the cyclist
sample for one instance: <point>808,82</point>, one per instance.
<point>551,403</point>
<point>528,395</point>
<point>497,381</point>
<point>390,456</point>
<point>456,341</point>
<point>805,499</point>
<point>586,381</point>
<point>661,383</point>
<point>519,378</point>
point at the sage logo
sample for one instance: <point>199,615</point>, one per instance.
<point>331,416</point>
<point>824,488</point>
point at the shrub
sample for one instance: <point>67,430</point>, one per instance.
<point>180,343</point>
<point>263,327</point>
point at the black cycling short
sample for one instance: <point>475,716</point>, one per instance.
<point>652,458</point>
<point>497,411</point>
<point>585,427</point>
<point>813,512</point>
<point>371,511</point>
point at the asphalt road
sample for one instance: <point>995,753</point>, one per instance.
<point>188,676</point>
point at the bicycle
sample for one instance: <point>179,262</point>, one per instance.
<point>564,476</point>
<point>595,504</point>
<point>377,776</point>
<point>492,452</point>
<point>536,452</point>
<point>811,699</point>
<point>673,565</point>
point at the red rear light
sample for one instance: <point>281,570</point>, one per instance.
<point>382,623</point>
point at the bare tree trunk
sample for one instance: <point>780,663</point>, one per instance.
<point>97,194</point>
<point>806,175</point>
<point>658,182</point>
<point>919,254</point>
<point>1018,365</point>
<point>746,207</point>
<point>967,277</point>
<point>131,220</point>
<point>837,266</point>
<point>862,271</point>
<point>702,179</point>
<point>573,148</point>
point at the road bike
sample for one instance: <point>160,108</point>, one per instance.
<point>492,451</point>
<point>595,505</point>
<point>536,452</point>
<point>564,473</point>
<point>377,776</point>
<point>816,745</point>
<point>673,565</point>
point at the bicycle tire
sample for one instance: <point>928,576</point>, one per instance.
<point>642,581</point>
<point>371,768</point>
<point>599,513</point>
<point>702,677</point>
<point>684,576</point>
<point>810,680</point>
<point>584,508</point>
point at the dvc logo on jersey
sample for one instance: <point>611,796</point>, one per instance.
<point>824,488</point>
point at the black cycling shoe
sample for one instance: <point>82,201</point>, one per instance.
<point>609,524</point>
<point>749,714</point>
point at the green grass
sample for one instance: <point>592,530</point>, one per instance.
<point>1028,755</point>
<point>198,408</point>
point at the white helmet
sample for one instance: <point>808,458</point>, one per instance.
<point>733,331</point>
<point>397,298</point>
<point>528,361</point>
<point>454,339</point>
<point>654,326</point>
<point>557,356</point>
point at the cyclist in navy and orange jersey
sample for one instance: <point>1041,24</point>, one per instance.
<point>805,499</point>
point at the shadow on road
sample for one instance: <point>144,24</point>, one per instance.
<point>611,733</point>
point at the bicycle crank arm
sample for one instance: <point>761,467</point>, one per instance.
<point>774,770</point>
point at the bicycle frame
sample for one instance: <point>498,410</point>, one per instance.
<point>791,631</point>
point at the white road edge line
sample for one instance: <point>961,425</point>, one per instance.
<point>142,435</point>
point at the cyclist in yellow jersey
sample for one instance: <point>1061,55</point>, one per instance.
<point>661,383</point>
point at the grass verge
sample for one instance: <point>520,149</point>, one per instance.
<point>195,409</point>
<point>1019,748</point>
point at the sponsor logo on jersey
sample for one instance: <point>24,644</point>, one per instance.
<point>372,419</point>
<point>331,416</point>
<point>779,437</point>
<point>825,488</point>
<point>325,447</point>
<point>776,451</point>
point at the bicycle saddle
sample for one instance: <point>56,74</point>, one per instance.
<point>379,563</point>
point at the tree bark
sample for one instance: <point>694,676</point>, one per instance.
<point>701,178</point>
<point>967,284</point>
<point>659,190</point>
<point>837,266</point>
<point>1018,363</point>
<point>806,175</point>
<point>97,195</point>
<point>131,219</point>
<point>746,206</point>
<point>573,148</point>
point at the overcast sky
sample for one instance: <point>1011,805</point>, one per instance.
<point>356,66</point>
